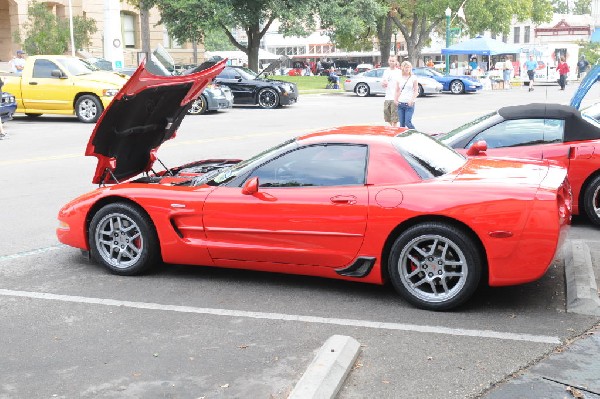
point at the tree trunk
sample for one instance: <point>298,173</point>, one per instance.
<point>254,37</point>
<point>384,34</point>
<point>145,27</point>
<point>194,52</point>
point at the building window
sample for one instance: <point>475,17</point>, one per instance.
<point>517,34</point>
<point>128,27</point>
<point>527,34</point>
<point>168,41</point>
<point>494,36</point>
<point>505,38</point>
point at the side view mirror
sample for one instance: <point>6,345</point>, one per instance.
<point>57,73</point>
<point>250,187</point>
<point>477,148</point>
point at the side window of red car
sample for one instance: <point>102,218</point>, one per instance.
<point>315,166</point>
<point>522,132</point>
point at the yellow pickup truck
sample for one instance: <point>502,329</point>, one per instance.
<point>64,85</point>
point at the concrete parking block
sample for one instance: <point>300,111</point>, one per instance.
<point>582,290</point>
<point>328,370</point>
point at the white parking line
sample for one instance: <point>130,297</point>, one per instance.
<point>287,317</point>
<point>32,252</point>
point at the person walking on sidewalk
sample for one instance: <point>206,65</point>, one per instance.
<point>530,66</point>
<point>507,70</point>
<point>563,71</point>
<point>582,67</point>
<point>390,78</point>
<point>407,90</point>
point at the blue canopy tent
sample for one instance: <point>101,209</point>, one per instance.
<point>481,46</point>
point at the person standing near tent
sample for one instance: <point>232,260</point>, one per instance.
<point>563,71</point>
<point>530,66</point>
<point>507,70</point>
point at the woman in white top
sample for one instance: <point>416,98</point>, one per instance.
<point>407,90</point>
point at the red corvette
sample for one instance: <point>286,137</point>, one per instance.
<point>355,203</point>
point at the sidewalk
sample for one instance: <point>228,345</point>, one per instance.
<point>573,370</point>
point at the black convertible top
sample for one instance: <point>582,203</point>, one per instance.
<point>576,127</point>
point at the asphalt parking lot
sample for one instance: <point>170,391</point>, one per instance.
<point>71,330</point>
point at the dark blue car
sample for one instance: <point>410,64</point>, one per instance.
<point>8,106</point>
<point>452,83</point>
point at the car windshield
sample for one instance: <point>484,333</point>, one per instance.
<point>76,66</point>
<point>434,72</point>
<point>224,175</point>
<point>246,73</point>
<point>474,124</point>
<point>427,156</point>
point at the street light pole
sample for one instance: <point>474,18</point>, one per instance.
<point>448,13</point>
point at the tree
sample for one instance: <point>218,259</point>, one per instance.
<point>45,33</point>
<point>560,6</point>
<point>582,7</point>
<point>217,40</point>
<point>591,51</point>
<point>189,19</point>
<point>418,19</point>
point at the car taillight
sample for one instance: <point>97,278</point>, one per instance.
<point>348,81</point>
<point>565,202</point>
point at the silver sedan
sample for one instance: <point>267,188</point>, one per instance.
<point>370,83</point>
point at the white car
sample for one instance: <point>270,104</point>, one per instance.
<point>370,83</point>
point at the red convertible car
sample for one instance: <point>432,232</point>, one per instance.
<point>546,131</point>
<point>359,203</point>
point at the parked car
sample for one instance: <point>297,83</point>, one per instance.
<point>363,68</point>
<point>249,88</point>
<point>63,85</point>
<point>215,97</point>
<point>8,106</point>
<point>545,131</point>
<point>370,83</point>
<point>452,83</point>
<point>358,203</point>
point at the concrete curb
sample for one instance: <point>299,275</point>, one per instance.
<point>328,370</point>
<point>582,291</point>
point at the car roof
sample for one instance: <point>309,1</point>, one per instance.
<point>576,127</point>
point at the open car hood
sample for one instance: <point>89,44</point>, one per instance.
<point>145,113</point>
<point>586,84</point>
<point>270,68</point>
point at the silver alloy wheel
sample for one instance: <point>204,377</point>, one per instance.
<point>198,106</point>
<point>362,90</point>
<point>433,268</point>
<point>268,98</point>
<point>119,240</point>
<point>87,109</point>
<point>596,201</point>
<point>457,87</point>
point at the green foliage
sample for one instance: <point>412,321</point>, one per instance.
<point>560,6</point>
<point>591,51</point>
<point>310,84</point>
<point>217,40</point>
<point>582,7</point>
<point>187,20</point>
<point>352,25</point>
<point>45,33</point>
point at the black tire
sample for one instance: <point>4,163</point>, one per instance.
<point>268,98</point>
<point>88,108</point>
<point>591,200</point>
<point>198,107</point>
<point>421,91</point>
<point>123,239</point>
<point>362,90</point>
<point>30,115</point>
<point>435,266</point>
<point>457,87</point>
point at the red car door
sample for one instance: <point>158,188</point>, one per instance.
<point>310,209</point>
<point>305,225</point>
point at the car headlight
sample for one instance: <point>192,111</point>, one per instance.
<point>110,92</point>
